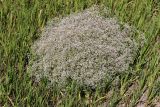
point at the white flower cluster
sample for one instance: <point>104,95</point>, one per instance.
<point>83,47</point>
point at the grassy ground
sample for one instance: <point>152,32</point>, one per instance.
<point>20,24</point>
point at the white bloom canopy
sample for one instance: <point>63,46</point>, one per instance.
<point>85,47</point>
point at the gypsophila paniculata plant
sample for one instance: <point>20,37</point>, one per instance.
<point>83,47</point>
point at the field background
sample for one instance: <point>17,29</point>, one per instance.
<point>21,22</point>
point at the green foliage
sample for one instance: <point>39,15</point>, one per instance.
<point>21,22</point>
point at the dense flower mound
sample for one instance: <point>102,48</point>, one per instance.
<point>84,47</point>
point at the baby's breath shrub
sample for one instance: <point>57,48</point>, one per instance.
<point>84,47</point>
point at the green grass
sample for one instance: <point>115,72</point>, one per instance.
<point>21,22</point>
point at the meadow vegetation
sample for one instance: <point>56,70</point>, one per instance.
<point>21,22</point>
